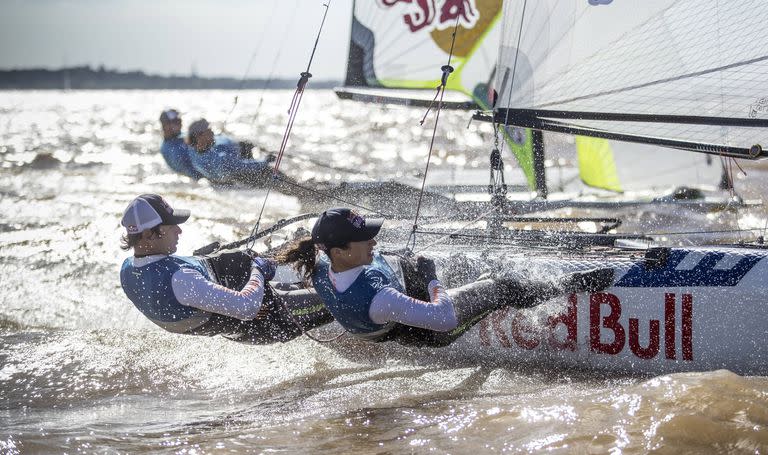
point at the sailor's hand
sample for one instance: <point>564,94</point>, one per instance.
<point>425,268</point>
<point>267,267</point>
<point>246,149</point>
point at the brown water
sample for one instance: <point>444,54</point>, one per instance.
<point>81,371</point>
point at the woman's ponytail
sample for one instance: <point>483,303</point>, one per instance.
<point>302,254</point>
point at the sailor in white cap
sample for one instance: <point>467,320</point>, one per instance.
<point>185,294</point>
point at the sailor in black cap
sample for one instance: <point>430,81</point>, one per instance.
<point>186,294</point>
<point>366,296</point>
<point>175,151</point>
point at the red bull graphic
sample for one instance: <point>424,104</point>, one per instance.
<point>437,15</point>
<point>607,334</point>
<point>675,309</point>
<point>438,18</point>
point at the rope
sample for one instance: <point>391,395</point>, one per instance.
<point>299,93</point>
<point>335,198</point>
<point>292,111</point>
<point>271,76</point>
<point>450,234</point>
<point>447,70</point>
<point>514,69</point>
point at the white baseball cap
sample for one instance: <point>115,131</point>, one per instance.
<point>148,211</point>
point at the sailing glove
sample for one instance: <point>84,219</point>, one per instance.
<point>267,267</point>
<point>425,268</point>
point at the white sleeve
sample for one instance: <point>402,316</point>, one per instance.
<point>191,288</point>
<point>390,305</point>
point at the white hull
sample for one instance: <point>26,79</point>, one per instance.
<point>703,309</point>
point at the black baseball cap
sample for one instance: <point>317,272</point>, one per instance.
<point>339,226</point>
<point>150,210</point>
<point>169,115</point>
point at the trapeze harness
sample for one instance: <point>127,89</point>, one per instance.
<point>437,319</point>
<point>283,315</point>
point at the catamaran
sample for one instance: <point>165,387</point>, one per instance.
<point>686,75</point>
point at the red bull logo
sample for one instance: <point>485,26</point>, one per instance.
<point>434,14</point>
<point>439,17</point>
<point>608,335</point>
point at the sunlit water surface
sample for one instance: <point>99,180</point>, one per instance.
<point>82,371</point>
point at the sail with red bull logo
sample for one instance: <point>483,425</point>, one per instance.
<point>401,44</point>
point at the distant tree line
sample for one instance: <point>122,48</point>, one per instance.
<point>87,78</point>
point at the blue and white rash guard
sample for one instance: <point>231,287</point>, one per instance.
<point>222,162</point>
<point>177,293</point>
<point>177,154</point>
<point>365,300</point>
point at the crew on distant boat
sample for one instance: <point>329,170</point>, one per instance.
<point>365,295</point>
<point>221,160</point>
<point>226,294</point>
<point>175,151</point>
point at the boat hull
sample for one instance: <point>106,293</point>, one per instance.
<point>690,310</point>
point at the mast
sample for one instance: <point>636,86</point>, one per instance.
<point>539,172</point>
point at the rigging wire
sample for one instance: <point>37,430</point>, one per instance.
<point>248,68</point>
<point>451,234</point>
<point>447,70</point>
<point>292,111</point>
<point>271,76</point>
<point>514,71</point>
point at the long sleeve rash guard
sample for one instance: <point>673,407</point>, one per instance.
<point>193,289</point>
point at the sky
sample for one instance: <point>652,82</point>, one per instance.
<point>175,37</point>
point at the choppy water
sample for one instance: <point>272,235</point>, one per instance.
<point>82,371</point>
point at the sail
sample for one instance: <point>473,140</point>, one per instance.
<point>689,74</point>
<point>627,166</point>
<point>402,44</point>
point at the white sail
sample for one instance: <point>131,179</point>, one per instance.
<point>680,58</point>
<point>403,44</point>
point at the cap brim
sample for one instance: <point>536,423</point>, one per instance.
<point>372,227</point>
<point>179,216</point>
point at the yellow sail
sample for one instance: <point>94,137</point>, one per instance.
<point>597,166</point>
